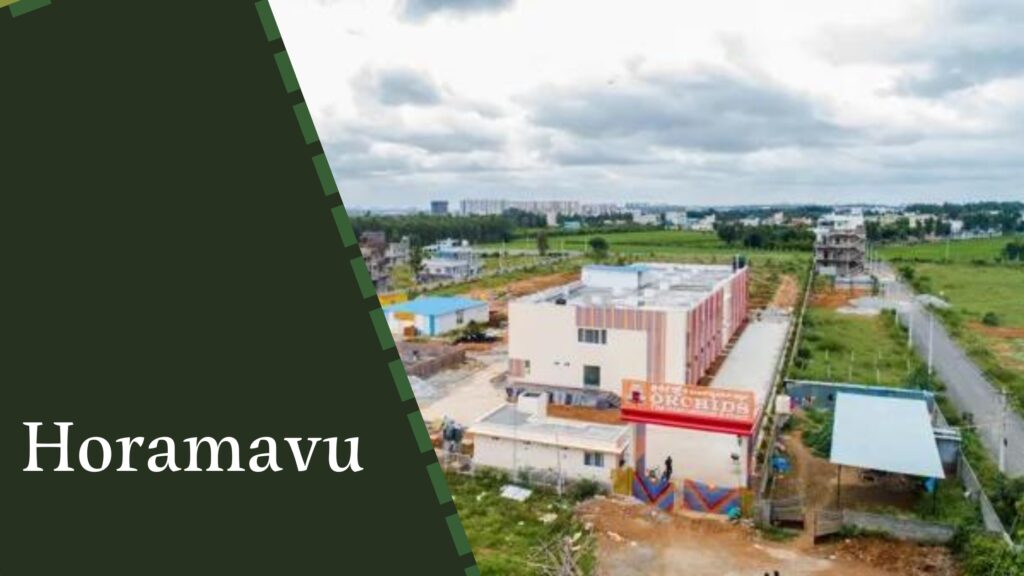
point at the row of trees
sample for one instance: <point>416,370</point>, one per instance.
<point>425,229</point>
<point>765,237</point>
<point>902,230</point>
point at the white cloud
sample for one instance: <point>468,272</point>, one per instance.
<point>688,101</point>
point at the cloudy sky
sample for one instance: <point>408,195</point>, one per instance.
<point>689,102</point>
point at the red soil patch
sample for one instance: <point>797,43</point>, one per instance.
<point>997,331</point>
<point>788,293</point>
<point>833,299</point>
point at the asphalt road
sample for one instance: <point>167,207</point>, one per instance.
<point>966,386</point>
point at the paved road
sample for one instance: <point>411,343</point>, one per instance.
<point>966,386</point>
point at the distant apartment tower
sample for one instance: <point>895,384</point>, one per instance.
<point>654,322</point>
<point>439,207</point>
<point>483,207</point>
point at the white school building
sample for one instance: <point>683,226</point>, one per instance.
<point>655,322</point>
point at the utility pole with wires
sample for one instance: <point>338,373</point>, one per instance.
<point>1002,430</point>
<point>931,344</point>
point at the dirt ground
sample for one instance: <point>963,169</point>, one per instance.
<point>833,299</point>
<point>498,297</point>
<point>636,540</point>
<point>788,293</point>
<point>814,479</point>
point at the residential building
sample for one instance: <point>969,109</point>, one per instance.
<point>840,246</point>
<point>451,260</point>
<point>381,257</point>
<point>523,436</point>
<point>654,322</point>
<point>435,315</point>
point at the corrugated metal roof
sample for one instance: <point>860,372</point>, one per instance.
<point>435,305</point>
<point>889,434</point>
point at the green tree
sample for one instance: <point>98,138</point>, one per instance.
<point>542,243</point>
<point>598,247</point>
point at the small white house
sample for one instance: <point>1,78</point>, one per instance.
<point>521,436</point>
<point>434,315</point>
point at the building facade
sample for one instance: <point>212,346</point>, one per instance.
<point>521,436</point>
<point>652,322</point>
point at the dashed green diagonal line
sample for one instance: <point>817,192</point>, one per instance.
<point>19,7</point>
<point>473,571</point>
<point>440,484</point>
<point>363,277</point>
<point>401,380</point>
<point>323,171</point>
<point>419,430</point>
<point>348,235</point>
<point>284,66</point>
<point>380,325</point>
<point>267,20</point>
<point>458,534</point>
<point>305,123</point>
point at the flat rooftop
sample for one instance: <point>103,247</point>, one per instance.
<point>652,285</point>
<point>509,421</point>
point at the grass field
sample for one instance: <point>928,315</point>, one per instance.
<point>506,535</point>
<point>959,251</point>
<point>975,284</point>
<point>656,241</point>
<point>838,347</point>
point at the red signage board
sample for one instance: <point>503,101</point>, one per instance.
<point>694,407</point>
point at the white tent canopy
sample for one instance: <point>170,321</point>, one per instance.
<point>888,434</point>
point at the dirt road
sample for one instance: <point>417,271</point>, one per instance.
<point>635,541</point>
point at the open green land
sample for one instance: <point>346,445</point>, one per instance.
<point>506,535</point>
<point>956,251</point>
<point>839,347</point>
<point>986,295</point>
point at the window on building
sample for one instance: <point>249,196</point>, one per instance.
<point>592,336</point>
<point>593,459</point>
<point>592,376</point>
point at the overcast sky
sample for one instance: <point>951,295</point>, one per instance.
<point>689,102</point>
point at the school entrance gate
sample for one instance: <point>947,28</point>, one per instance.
<point>711,410</point>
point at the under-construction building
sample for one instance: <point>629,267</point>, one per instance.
<point>840,252</point>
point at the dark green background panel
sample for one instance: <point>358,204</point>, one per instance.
<point>171,266</point>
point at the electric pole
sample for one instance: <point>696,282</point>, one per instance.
<point>1002,430</point>
<point>931,339</point>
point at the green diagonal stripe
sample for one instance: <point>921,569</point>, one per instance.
<point>419,430</point>
<point>380,324</point>
<point>25,6</point>
<point>401,380</point>
<point>284,66</point>
<point>267,20</point>
<point>348,235</point>
<point>305,123</point>
<point>363,277</point>
<point>472,571</point>
<point>458,534</point>
<point>440,484</point>
<point>323,171</point>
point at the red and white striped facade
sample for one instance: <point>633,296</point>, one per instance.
<point>654,322</point>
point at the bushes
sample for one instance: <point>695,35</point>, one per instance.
<point>584,490</point>
<point>990,319</point>
<point>986,555</point>
<point>817,431</point>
